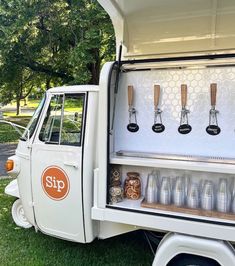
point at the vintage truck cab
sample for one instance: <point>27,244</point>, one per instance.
<point>59,149</point>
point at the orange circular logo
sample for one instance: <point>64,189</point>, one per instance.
<point>55,183</point>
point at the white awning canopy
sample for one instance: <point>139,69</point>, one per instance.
<point>150,28</point>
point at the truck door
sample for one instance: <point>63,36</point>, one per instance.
<point>56,167</point>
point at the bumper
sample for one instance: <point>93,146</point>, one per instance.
<point>12,189</point>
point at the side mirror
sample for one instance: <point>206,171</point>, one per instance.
<point>16,127</point>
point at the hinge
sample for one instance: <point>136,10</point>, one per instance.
<point>31,204</point>
<point>30,146</point>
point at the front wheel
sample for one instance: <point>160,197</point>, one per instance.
<point>18,215</point>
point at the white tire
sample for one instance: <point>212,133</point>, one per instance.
<point>18,215</point>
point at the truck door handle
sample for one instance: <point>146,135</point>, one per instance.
<point>74,164</point>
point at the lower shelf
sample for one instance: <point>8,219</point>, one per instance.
<point>184,210</point>
<point>142,206</point>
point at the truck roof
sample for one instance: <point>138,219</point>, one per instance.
<point>74,88</point>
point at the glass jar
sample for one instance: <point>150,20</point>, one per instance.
<point>132,186</point>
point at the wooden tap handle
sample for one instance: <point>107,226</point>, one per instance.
<point>213,93</point>
<point>184,95</point>
<point>156,95</point>
<point>130,95</point>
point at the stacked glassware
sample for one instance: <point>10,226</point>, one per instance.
<point>165,191</point>
<point>223,197</point>
<point>179,192</point>
<point>208,195</point>
<point>193,199</point>
<point>151,193</point>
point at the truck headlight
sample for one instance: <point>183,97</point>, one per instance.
<point>9,166</point>
<point>12,166</point>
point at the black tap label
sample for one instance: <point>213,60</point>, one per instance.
<point>158,128</point>
<point>213,130</point>
<point>132,127</point>
<point>184,129</point>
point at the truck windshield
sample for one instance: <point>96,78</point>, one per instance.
<point>33,122</point>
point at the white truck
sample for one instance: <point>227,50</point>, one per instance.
<point>175,57</point>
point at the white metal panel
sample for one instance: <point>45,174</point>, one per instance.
<point>109,229</point>
<point>197,142</point>
<point>89,162</point>
<point>74,89</point>
<point>162,27</point>
<point>103,135</point>
<point>12,189</point>
<point>24,179</point>
<point>159,222</point>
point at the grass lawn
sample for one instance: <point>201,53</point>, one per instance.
<point>8,133</point>
<point>9,110</point>
<point>30,103</point>
<point>25,247</point>
<point>13,115</point>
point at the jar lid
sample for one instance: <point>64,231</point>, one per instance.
<point>133,174</point>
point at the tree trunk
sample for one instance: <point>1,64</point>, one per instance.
<point>48,81</point>
<point>25,101</point>
<point>95,73</point>
<point>94,68</point>
<point>18,109</point>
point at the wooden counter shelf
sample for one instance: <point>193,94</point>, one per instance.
<point>185,210</point>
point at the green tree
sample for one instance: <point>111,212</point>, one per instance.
<point>51,42</point>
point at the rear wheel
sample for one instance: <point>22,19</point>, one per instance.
<point>192,260</point>
<point>18,215</point>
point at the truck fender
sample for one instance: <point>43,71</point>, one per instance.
<point>174,244</point>
<point>12,189</point>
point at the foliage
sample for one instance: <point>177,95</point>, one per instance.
<point>47,43</point>
<point>25,247</point>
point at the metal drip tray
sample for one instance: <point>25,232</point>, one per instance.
<point>177,157</point>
